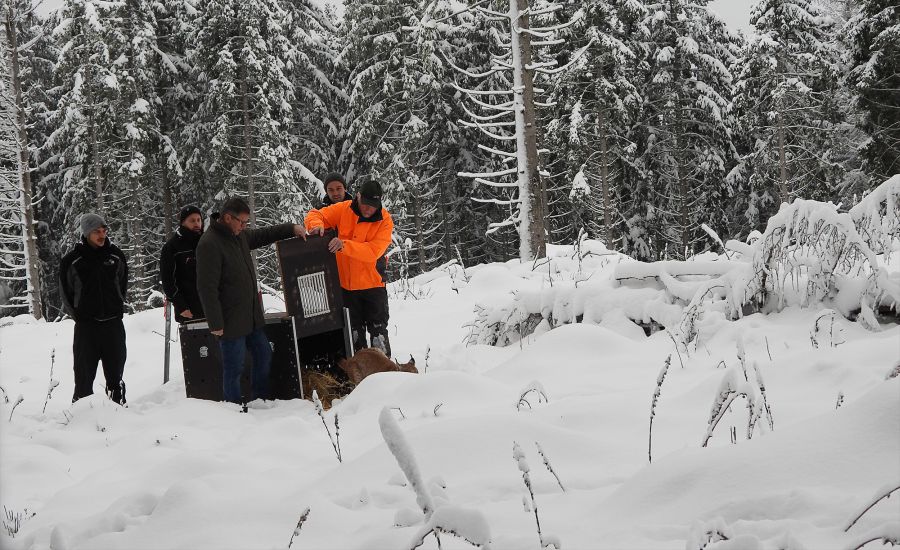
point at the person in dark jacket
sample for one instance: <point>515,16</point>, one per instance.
<point>178,265</point>
<point>335,189</point>
<point>93,280</point>
<point>226,283</point>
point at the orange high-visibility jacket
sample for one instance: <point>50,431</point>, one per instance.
<point>364,242</point>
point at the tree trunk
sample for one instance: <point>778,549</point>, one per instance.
<point>95,158</point>
<point>168,209</point>
<point>682,191</point>
<point>782,163</point>
<point>248,152</point>
<point>446,237</point>
<point>248,157</point>
<point>604,181</point>
<point>532,237</point>
<point>137,249</point>
<point>29,238</point>
<point>420,239</point>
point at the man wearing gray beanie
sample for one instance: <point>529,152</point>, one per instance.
<point>93,281</point>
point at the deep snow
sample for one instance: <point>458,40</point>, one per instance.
<point>169,472</point>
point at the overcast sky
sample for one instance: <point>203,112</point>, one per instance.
<point>735,12</point>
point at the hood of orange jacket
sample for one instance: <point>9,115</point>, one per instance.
<point>365,240</point>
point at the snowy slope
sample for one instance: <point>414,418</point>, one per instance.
<point>169,472</point>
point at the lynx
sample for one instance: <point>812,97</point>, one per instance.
<point>369,361</point>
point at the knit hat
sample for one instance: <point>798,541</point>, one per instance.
<point>90,222</point>
<point>187,211</point>
<point>334,176</point>
<point>370,193</point>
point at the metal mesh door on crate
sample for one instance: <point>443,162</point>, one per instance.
<point>312,288</point>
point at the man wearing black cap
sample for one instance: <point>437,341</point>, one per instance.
<point>93,281</point>
<point>364,231</point>
<point>178,265</point>
<point>335,192</point>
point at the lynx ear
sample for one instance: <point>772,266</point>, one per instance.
<point>412,360</point>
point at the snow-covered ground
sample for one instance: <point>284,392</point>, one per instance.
<point>169,472</point>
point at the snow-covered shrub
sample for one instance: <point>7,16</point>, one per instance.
<point>877,216</point>
<point>504,325</point>
<point>569,286</point>
<point>811,253</point>
<point>155,299</point>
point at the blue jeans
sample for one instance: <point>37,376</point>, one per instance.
<point>233,350</point>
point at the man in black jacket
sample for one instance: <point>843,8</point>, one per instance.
<point>178,265</point>
<point>335,189</point>
<point>93,283</point>
<point>226,283</point>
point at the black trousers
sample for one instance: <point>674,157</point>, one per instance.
<point>99,342</point>
<point>369,313</point>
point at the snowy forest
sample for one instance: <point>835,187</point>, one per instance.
<point>634,122</point>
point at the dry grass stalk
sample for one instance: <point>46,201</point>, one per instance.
<point>53,383</point>
<point>537,388</point>
<point>548,466</point>
<point>762,392</point>
<point>336,440</point>
<point>16,404</point>
<point>659,382</point>
<point>883,493</point>
<point>300,522</point>
<point>522,462</point>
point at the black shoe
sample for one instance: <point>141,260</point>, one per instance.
<point>117,394</point>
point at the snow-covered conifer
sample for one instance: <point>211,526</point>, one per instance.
<point>685,137</point>
<point>785,91</point>
<point>873,36</point>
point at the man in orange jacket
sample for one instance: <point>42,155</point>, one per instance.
<point>364,231</point>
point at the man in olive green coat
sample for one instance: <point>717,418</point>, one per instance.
<point>226,283</point>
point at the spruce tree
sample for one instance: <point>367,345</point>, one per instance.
<point>685,134</point>
<point>85,121</point>
<point>240,135</point>
<point>873,39</point>
<point>785,92</point>
<point>597,103</point>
